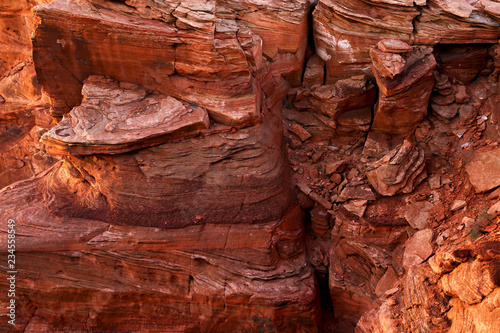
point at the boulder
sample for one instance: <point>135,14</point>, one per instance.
<point>400,171</point>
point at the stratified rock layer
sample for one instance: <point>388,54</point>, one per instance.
<point>239,177</point>
<point>400,171</point>
<point>457,291</point>
<point>22,154</point>
<point>405,82</point>
<point>87,275</point>
<point>345,30</point>
<point>186,54</point>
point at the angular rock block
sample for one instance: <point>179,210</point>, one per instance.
<point>334,100</point>
<point>429,300</point>
<point>345,30</point>
<point>456,22</point>
<point>484,170</point>
<point>118,117</point>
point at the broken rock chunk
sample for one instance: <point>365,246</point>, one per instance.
<point>418,248</point>
<point>484,170</point>
<point>417,213</point>
<point>399,171</point>
<point>300,132</point>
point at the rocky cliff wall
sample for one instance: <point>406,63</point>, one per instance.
<point>278,166</point>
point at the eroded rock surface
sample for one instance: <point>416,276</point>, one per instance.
<point>401,170</point>
<point>118,117</point>
<point>405,81</point>
<point>188,123</point>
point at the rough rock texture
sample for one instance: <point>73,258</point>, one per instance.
<point>456,22</point>
<point>22,111</point>
<point>185,54</point>
<point>18,81</point>
<point>155,223</point>
<point>331,101</point>
<point>345,30</point>
<point>23,156</point>
<point>405,82</point>
<point>116,117</point>
<point>484,170</point>
<point>239,177</point>
<point>158,228</point>
<point>400,171</point>
<point>84,274</point>
<point>360,256</point>
<point>469,275</point>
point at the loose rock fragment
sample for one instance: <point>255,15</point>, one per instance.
<point>400,171</point>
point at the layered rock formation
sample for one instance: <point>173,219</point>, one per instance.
<point>182,50</point>
<point>84,274</point>
<point>405,80</point>
<point>460,293</point>
<point>239,177</point>
<point>189,132</point>
<point>400,171</point>
<point>119,117</point>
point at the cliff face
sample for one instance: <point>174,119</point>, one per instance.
<point>277,166</point>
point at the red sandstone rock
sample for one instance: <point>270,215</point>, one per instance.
<point>457,295</point>
<point>484,170</point>
<point>405,89</point>
<point>418,248</point>
<point>181,63</point>
<point>455,22</point>
<point>182,55</point>
<point>118,117</point>
<point>300,132</point>
<point>314,72</point>
<point>219,178</point>
<point>359,258</point>
<point>22,155</point>
<point>462,62</point>
<point>344,32</point>
<point>356,93</point>
<point>393,46</point>
<point>401,170</point>
<point>145,278</point>
<point>250,272</point>
<point>417,213</point>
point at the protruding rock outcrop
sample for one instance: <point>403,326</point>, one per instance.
<point>174,184</point>
<point>185,51</point>
<point>239,177</point>
<point>329,102</point>
<point>118,117</point>
<point>345,30</point>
